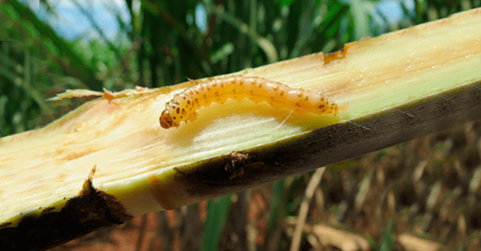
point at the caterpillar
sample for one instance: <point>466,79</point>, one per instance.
<point>183,106</point>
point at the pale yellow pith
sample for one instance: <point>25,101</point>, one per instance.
<point>123,139</point>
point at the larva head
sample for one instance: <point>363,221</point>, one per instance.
<point>166,120</point>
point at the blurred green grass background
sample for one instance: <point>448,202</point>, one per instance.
<point>165,42</point>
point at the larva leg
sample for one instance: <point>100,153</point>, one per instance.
<point>192,116</point>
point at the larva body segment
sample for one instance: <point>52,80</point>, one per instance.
<point>184,105</point>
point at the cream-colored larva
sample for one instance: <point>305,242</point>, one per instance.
<point>184,105</point>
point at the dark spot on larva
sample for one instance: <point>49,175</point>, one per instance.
<point>184,112</point>
<point>240,83</point>
<point>222,85</point>
<point>234,91</point>
<point>177,110</point>
<point>306,98</point>
<point>298,105</point>
<point>323,110</point>
<point>190,92</point>
<point>322,99</point>
<point>174,118</point>
<point>275,88</point>
<point>251,92</point>
<point>272,98</point>
<point>253,83</point>
<point>196,100</point>
<point>321,106</point>
<point>300,94</point>
<point>201,87</point>
<point>184,97</point>
<point>217,94</point>
<point>188,102</point>
<point>180,117</point>
<point>281,93</point>
<point>205,96</point>
<point>214,84</point>
<point>260,85</point>
<point>208,88</point>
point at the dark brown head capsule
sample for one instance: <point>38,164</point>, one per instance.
<point>165,120</point>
